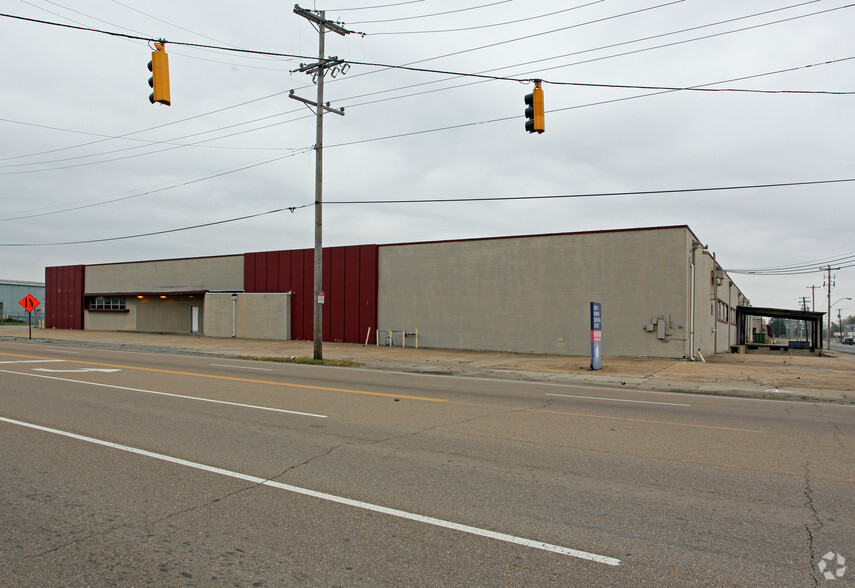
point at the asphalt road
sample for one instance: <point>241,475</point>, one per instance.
<point>850,349</point>
<point>132,469</point>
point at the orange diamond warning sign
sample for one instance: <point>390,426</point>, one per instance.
<point>29,303</point>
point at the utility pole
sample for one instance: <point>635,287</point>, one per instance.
<point>803,301</point>
<point>813,296</point>
<point>829,285</point>
<point>318,71</point>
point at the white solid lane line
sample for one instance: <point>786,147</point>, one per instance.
<point>617,400</point>
<point>603,559</point>
<point>282,410</point>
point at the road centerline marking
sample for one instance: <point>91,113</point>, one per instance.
<point>245,380</point>
<point>182,396</point>
<point>402,514</point>
<point>33,361</point>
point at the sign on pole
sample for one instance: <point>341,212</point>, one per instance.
<point>29,303</point>
<point>596,336</point>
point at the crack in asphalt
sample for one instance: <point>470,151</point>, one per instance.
<point>453,423</point>
<point>818,524</point>
<point>838,435</point>
<point>206,504</point>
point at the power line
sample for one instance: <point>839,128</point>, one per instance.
<point>374,7</point>
<point>539,73</point>
<point>458,10</point>
<point>126,135</point>
<point>457,74</point>
<point>804,264</point>
<point>793,272</point>
<point>698,88</point>
<point>148,143</point>
<point>487,26</point>
<point>413,133</point>
<point>597,194</point>
<point>151,16</point>
<point>410,67</point>
<point>155,190</point>
<point>151,39</point>
<point>660,90</point>
<point>799,268</point>
<point>461,200</point>
<point>164,232</point>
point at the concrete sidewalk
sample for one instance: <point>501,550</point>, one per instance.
<point>830,378</point>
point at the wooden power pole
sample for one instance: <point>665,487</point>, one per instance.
<point>318,71</point>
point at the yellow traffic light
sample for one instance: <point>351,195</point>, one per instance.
<point>534,111</point>
<point>159,80</point>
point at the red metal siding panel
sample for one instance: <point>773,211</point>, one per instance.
<point>351,294</point>
<point>64,297</point>
<point>295,285</point>
<point>261,272</point>
<point>350,285</point>
<point>308,297</point>
<point>368,283</point>
<point>248,272</point>
<point>327,269</point>
<point>272,271</point>
<point>335,302</point>
<point>50,297</point>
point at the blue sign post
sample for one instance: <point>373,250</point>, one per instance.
<point>596,336</point>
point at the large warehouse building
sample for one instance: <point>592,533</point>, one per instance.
<point>662,294</point>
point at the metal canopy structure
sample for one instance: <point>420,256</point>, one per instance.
<point>808,316</point>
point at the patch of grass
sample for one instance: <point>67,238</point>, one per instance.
<point>305,360</point>
<point>9,321</point>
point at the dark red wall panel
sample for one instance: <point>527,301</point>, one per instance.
<point>350,299</point>
<point>334,307</point>
<point>368,287</point>
<point>307,284</point>
<point>350,288</point>
<point>64,288</point>
<point>273,271</point>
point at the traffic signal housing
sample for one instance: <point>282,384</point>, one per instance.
<point>159,80</point>
<point>534,110</point>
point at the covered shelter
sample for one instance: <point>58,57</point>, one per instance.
<point>746,343</point>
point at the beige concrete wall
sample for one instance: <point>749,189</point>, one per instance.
<point>99,320</point>
<point>171,315</point>
<point>532,294</point>
<point>171,275</point>
<point>711,334</point>
<point>256,316</point>
<point>150,314</point>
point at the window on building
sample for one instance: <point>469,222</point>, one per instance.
<point>106,303</point>
<point>723,314</point>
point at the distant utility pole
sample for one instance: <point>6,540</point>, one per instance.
<point>813,296</point>
<point>804,303</point>
<point>829,285</point>
<point>318,71</point>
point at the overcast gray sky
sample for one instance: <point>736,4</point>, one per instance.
<point>85,156</point>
